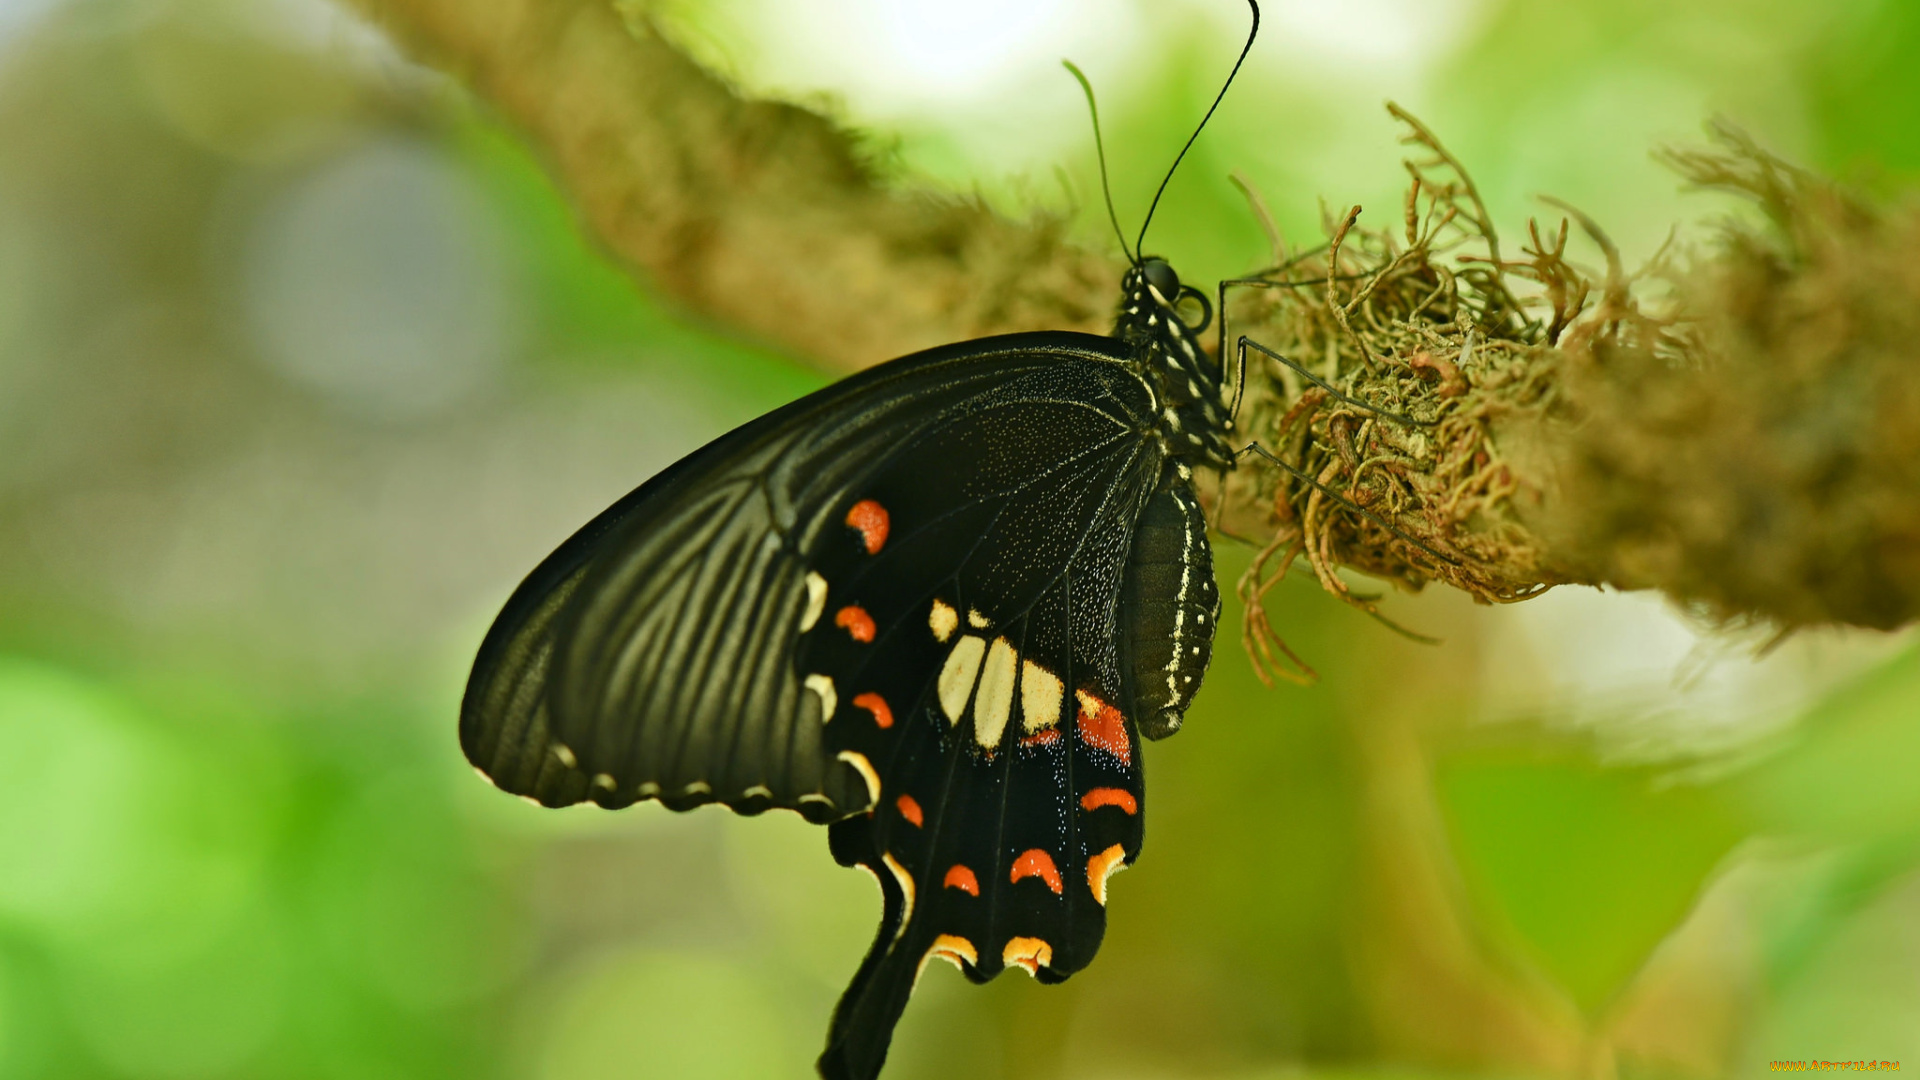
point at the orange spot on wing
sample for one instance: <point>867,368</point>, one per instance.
<point>870,518</point>
<point>1027,952</point>
<point>959,877</point>
<point>1101,725</point>
<point>877,705</point>
<point>1103,866</point>
<point>1046,737</point>
<point>909,809</point>
<point>1109,796</point>
<point>858,624</point>
<point>1037,863</point>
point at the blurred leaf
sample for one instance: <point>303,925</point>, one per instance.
<point>649,1014</point>
<point>1844,782</point>
<point>1865,88</point>
<point>1588,867</point>
<point>120,838</point>
<point>1850,773</point>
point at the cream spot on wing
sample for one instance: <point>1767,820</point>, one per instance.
<point>565,755</point>
<point>1040,692</point>
<point>603,781</point>
<point>953,949</point>
<point>865,769</point>
<point>647,789</point>
<point>942,619</point>
<point>823,686</point>
<point>761,791</point>
<point>698,787</point>
<point>816,601</point>
<point>906,887</point>
<point>975,619</point>
<point>994,702</point>
<point>956,677</point>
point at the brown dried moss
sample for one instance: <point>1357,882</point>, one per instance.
<point>1421,321</point>
<point>1755,451</point>
<point>1737,427</point>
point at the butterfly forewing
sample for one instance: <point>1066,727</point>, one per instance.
<point>652,655</point>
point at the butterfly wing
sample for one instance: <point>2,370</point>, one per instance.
<point>652,654</point>
<point>910,605</point>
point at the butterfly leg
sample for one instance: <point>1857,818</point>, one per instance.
<point>1398,418</point>
<point>1271,458</point>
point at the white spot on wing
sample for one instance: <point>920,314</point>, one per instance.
<point>822,685</point>
<point>816,601</point>
<point>942,619</point>
<point>956,677</point>
<point>995,701</point>
<point>865,769</point>
<point>951,948</point>
<point>906,886</point>
<point>1040,692</point>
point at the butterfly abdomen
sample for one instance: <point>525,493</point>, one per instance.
<point>1170,605</point>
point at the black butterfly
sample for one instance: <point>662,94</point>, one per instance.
<point>935,605</point>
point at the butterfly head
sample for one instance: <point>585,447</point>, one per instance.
<point>1190,381</point>
<point>1153,293</point>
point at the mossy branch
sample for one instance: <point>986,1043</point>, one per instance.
<point>1747,442</point>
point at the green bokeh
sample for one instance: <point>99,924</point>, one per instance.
<point>237,838</point>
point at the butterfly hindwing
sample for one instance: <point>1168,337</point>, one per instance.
<point>996,726</point>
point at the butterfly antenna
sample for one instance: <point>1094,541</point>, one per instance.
<point>1251,34</point>
<point>1100,150</point>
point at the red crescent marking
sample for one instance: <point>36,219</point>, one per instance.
<point>1109,796</point>
<point>877,705</point>
<point>1101,725</point>
<point>871,519</point>
<point>858,623</point>
<point>909,809</point>
<point>1044,737</point>
<point>959,877</point>
<point>1037,863</point>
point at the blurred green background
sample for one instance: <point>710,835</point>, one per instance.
<point>303,363</point>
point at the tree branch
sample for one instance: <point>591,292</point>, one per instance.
<point>762,217</point>
<point>1749,443</point>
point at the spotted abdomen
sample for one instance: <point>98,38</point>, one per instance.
<point>1170,605</point>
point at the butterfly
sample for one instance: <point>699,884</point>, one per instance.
<point>935,606</point>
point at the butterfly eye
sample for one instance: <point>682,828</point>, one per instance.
<point>1160,275</point>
